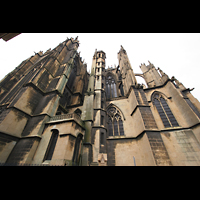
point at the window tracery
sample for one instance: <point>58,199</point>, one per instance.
<point>115,123</point>
<point>164,111</point>
<point>111,89</point>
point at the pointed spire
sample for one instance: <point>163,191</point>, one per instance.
<point>95,54</point>
<point>161,72</point>
<point>122,50</point>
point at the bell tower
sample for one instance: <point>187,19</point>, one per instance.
<point>100,70</point>
<point>99,123</point>
<point>94,111</point>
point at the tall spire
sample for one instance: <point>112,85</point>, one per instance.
<point>128,77</point>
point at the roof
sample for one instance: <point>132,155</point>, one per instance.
<point>8,36</point>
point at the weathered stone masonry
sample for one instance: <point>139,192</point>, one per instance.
<point>53,112</point>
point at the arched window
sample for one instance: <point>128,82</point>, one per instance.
<point>121,127</point>
<point>115,123</point>
<point>77,149</point>
<point>164,111</point>
<point>111,89</point>
<point>52,145</point>
<point>115,127</point>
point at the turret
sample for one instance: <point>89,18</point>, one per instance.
<point>100,70</point>
<point>153,77</point>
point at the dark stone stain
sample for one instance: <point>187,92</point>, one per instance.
<point>158,148</point>
<point>43,81</point>
<point>43,103</point>
<point>53,84</point>
<point>33,100</point>
<point>20,150</point>
<point>20,116</point>
<point>31,124</point>
<point>5,139</point>
<point>167,135</point>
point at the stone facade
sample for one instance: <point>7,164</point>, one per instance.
<point>53,112</point>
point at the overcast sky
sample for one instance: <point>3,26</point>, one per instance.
<point>176,54</point>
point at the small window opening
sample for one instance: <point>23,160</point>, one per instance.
<point>102,139</point>
<point>52,145</point>
<point>102,119</point>
<point>102,104</point>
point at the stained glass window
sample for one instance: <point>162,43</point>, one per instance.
<point>115,127</point>
<point>110,126</point>
<point>164,111</point>
<point>121,127</point>
<point>115,123</point>
<point>111,88</point>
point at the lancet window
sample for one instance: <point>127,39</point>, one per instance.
<point>52,145</point>
<point>111,89</point>
<point>164,111</point>
<point>115,123</point>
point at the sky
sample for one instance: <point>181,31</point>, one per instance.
<point>177,54</point>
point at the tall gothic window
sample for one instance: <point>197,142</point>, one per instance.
<point>115,123</point>
<point>111,89</point>
<point>52,145</point>
<point>164,111</point>
<point>77,149</point>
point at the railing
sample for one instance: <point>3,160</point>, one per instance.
<point>61,117</point>
<point>66,117</point>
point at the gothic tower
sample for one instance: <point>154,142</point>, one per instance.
<point>143,125</point>
<point>127,74</point>
<point>39,108</point>
<point>96,106</point>
<point>53,112</point>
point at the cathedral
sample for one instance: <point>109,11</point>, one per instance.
<point>54,113</point>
